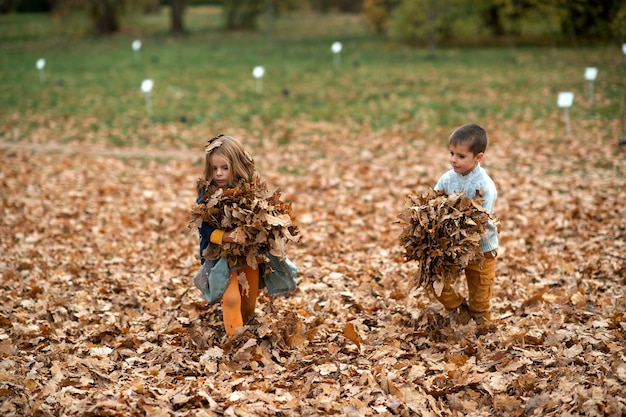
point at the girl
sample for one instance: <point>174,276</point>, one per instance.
<point>228,164</point>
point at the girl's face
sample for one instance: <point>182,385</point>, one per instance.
<point>463,161</point>
<point>221,172</point>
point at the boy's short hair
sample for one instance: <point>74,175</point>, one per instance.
<point>472,135</point>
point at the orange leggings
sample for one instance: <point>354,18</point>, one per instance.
<point>238,305</point>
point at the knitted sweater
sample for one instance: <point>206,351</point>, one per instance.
<point>476,180</point>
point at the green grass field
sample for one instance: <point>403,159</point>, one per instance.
<point>206,77</point>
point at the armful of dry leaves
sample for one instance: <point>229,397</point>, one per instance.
<point>443,233</point>
<point>258,220</point>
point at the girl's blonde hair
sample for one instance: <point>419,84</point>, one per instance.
<point>240,163</point>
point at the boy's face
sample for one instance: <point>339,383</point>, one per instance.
<point>463,161</point>
<point>221,171</point>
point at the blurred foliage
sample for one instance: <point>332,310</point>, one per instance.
<point>432,22</point>
<point>345,6</point>
<point>105,15</point>
<point>244,14</point>
<point>25,6</point>
<point>590,19</point>
<point>429,22</point>
<point>377,14</point>
<point>414,22</point>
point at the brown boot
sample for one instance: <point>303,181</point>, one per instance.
<point>462,313</point>
<point>484,325</point>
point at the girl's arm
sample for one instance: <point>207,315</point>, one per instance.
<point>205,232</point>
<point>210,234</point>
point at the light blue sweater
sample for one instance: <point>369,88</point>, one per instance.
<point>451,182</point>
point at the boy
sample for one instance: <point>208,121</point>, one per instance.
<point>468,144</point>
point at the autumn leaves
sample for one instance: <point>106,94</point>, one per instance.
<point>260,222</point>
<point>440,231</point>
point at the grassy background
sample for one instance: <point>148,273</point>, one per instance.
<point>205,77</point>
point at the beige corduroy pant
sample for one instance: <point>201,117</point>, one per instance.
<point>480,283</point>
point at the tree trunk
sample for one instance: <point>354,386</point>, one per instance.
<point>152,7</point>
<point>178,7</point>
<point>6,6</point>
<point>106,17</point>
<point>269,21</point>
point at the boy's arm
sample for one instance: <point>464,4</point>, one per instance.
<point>489,195</point>
<point>489,200</point>
<point>440,184</point>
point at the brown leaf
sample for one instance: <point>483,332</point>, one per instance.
<point>349,331</point>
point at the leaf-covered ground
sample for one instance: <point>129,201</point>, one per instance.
<point>99,316</point>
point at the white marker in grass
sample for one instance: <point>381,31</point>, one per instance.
<point>624,51</point>
<point>146,87</point>
<point>258,72</point>
<point>41,63</point>
<point>137,49</point>
<point>590,75</point>
<point>336,48</point>
<point>565,101</point>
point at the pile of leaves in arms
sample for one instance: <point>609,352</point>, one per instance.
<point>259,221</point>
<point>442,231</point>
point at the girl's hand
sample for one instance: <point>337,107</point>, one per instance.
<point>229,237</point>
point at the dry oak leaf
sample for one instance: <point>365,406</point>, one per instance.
<point>349,331</point>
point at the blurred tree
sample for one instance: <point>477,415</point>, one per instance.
<point>344,6</point>
<point>590,19</point>
<point>618,25</point>
<point>244,14</point>
<point>505,17</point>
<point>152,6</point>
<point>430,22</point>
<point>426,22</point>
<point>24,6</point>
<point>176,14</point>
<point>377,13</point>
<point>105,15</point>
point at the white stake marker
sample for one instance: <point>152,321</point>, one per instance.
<point>137,50</point>
<point>146,87</point>
<point>590,75</point>
<point>336,48</point>
<point>258,72</point>
<point>565,101</point>
<point>41,63</point>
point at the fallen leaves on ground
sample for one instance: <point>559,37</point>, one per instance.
<point>100,316</point>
